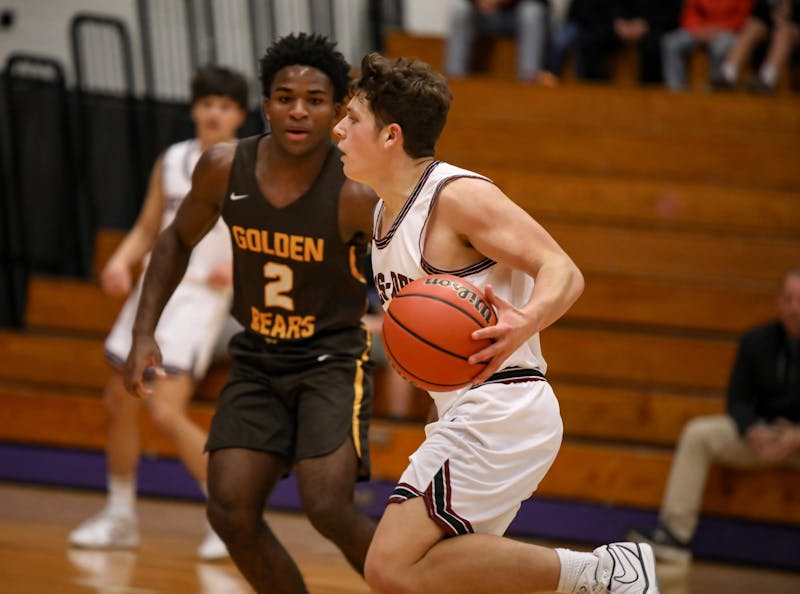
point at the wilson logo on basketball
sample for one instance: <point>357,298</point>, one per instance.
<point>467,294</point>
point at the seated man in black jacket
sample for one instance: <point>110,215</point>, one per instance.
<point>761,429</point>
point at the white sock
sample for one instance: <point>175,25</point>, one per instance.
<point>729,72</point>
<point>576,569</point>
<point>122,495</point>
<point>768,75</point>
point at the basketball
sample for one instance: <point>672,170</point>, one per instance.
<point>427,331</point>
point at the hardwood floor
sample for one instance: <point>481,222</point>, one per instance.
<point>34,558</point>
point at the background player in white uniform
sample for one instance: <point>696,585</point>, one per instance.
<point>495,440</point>
<point>189,328</point>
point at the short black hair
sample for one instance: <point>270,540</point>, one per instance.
<point>312,50</point>
<point>218,80</point>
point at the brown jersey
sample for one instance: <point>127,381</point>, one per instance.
<point>296,284</point>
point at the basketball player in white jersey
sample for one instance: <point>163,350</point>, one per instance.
<point>494,441</point>
<point>188,330</point>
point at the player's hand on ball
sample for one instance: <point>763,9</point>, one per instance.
<point>511,330</point>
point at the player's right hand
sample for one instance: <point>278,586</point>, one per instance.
<point>143,366</point>
<point>116,279</point>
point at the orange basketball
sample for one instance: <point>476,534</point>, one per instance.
<point>427,331</point>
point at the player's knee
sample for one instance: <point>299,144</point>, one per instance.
<point>229,522</point>
<point>383,577</point>
<point>165,415</point>
<point>328,515</point>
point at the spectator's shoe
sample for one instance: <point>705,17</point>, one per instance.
<point>105,531</point>
<point>665,545</point>
<point>759,87</point>
<point>720,83</point>
<point>624,568</point>
<point>212,548</point>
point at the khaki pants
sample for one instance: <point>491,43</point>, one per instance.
<point>705,440</point>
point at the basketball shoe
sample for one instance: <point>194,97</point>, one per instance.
<point>622,568</point>
<point>106,531</point>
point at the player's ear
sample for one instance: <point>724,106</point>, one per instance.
<point>393,133</point>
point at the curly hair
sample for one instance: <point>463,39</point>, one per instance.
<point>312,50</point>
<point>409,93</point>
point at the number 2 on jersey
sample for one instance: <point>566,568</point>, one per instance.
<point>280,280</point>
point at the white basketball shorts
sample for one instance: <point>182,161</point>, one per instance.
<point>485,455</point>
<point>187,331</point>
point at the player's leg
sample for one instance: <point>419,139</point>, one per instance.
<point>332,450</point>
<point>239,482</point>
<point>326,488</point>
<point>115,526</point>
<point>169,410</point>
<point>409,554</point>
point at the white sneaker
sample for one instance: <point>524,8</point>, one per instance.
<point>625,568</point>
<point>105,531</point>
<point>212,548</point>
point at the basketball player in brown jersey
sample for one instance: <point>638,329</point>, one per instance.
<point>299,393</point>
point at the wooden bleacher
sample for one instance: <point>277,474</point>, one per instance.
<point>682,211</point>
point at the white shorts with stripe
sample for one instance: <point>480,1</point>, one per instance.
<point>187,331</point>
<point>486,454</point>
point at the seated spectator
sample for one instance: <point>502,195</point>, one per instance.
<point>580,16</point>
<point>639,23</point>
<point>525,19</point>
<point>761,429</point>
<point>773,20</point>
<point>710,23</point>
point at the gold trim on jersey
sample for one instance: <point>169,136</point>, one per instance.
<point>354,266</point>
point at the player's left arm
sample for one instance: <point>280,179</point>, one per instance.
<point>488,221</point>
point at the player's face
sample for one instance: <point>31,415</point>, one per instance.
<point>216,118</point>
<point>300,109</point>
<point>789,306</point>
<point>359,140</point>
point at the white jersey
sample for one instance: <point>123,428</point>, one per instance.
<point>397,258</point>
<point>176,178</point>
<point>192,320</point>
<point>493,443</point>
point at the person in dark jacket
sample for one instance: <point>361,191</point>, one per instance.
<point>760,430</point>
<point>613,24</point>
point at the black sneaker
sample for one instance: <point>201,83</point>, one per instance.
<point>665,546</point>
<point>720,83</point>
<point>759,87</point>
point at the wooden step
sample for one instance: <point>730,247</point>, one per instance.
<point>473,144</point>
<point>690,257</point>
<point>70,305</point>
<point>611,110</point>
<point>674,204</point>
<point>64,305</point>
<point>600,356</point>
<point>73,362</point>
<point>674,305</point>
<point>579,354</point>
<point>596,472</point>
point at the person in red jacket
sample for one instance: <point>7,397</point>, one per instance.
<point>712,24</point>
